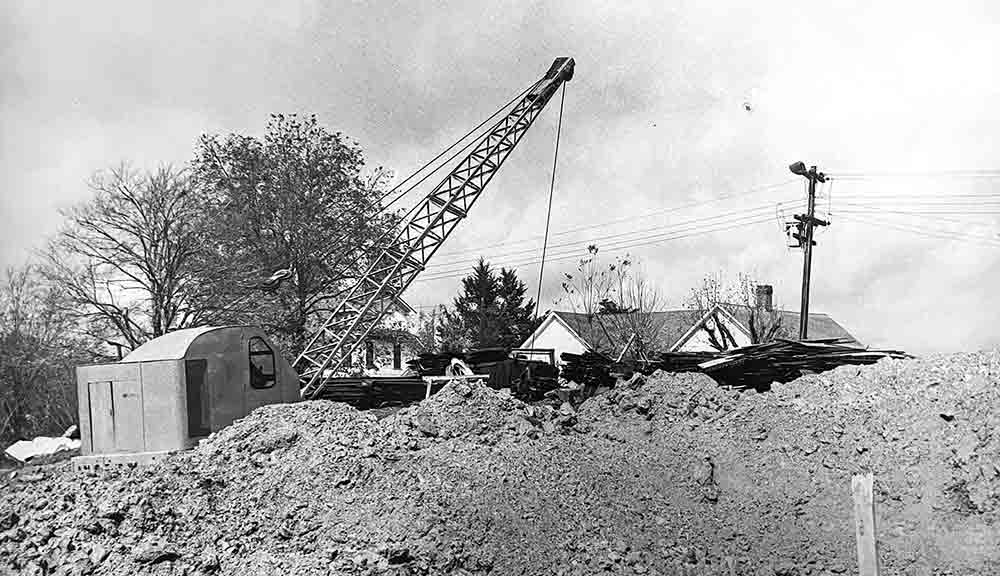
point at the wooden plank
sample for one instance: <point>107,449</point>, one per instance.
<point>864,524</point>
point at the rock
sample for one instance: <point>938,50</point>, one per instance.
<point>110,511</point>
<point>154,553</point>
<point>427,426</point>
<point>98,553</point>
<point>208,562</point>
<point>8,520</point>
<point>369,559</point>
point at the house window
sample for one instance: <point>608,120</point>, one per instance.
<point>261,364</point>
<point>369,354</point>
<point>397,356</point>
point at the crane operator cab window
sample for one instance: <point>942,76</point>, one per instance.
<point>261,364</point>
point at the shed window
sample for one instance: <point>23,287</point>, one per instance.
<point>261,364</point>
<point>197,397</point>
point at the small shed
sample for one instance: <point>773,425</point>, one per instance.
<point>180,387</point>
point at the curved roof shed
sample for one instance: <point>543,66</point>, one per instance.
<point>179,387</point>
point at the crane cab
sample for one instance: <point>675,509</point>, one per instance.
<point>176,389</point>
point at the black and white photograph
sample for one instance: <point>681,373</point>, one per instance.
<point>560,288</point>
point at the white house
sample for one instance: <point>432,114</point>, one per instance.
<point>676,330</point>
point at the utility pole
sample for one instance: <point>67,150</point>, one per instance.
<point>805,237</point>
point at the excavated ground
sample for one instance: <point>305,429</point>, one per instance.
<point>673,475</point>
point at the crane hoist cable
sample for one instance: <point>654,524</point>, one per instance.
<point>548,213</point>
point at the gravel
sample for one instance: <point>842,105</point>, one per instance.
<point>661,475</point>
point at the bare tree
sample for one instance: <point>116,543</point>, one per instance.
<point>618,301</point>
<point>739,299</point>
<point>588,291</point>
<point>591,285</point>
<point>637,320</point>
<point>38,351</point>
<point>124,259</point>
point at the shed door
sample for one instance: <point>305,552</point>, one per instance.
<point>128,416</point>
<point>102,417</point>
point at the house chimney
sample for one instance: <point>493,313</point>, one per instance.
<point>764,294</point>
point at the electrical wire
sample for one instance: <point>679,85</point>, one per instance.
<point>663,211</point>
<point>613,247</point>
<point>978,173</point>
<point>475,254</point>
<point>930,233</point>
<point>608,249</point>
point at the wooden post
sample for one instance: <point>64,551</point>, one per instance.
<point>864,523</point>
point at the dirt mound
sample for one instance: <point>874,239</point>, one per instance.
<point>472,410</point>
<point>656,476</point>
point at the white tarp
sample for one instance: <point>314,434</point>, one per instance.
<point>24,450</point>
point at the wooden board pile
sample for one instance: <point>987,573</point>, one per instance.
<point>590,369</point>
<point>759,365</point>
<point>376,391</point>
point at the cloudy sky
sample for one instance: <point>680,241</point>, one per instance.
<point>659,156</point>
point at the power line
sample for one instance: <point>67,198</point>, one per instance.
<point>608,249</point>
<point>931,233</point>
<point>634,243</point>
<point>628,218</point>
<point>705,219</point>
<point>980,173</point>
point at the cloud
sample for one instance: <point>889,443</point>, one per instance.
<point>654,118</point>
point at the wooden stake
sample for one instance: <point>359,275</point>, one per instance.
<point>864,524</point>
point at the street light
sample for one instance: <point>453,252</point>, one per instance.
<point>799,168</point>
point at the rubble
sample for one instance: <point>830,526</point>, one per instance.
<point>662,474</point>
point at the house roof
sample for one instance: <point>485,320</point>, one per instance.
<point>821,326</point>
<point>597,331</point>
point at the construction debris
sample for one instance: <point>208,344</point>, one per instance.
<point>528,379</point>
<point>376,391</point>
<point>664,474</point>
<point>591,370</point>
<point>759,365</point>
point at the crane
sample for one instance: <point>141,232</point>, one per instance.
<point>375,292</point>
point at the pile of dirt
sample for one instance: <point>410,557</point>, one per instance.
<point>659,475</point>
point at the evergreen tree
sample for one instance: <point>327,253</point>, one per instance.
<point>490,311</point>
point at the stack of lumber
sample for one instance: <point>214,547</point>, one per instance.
<point>759,365</point>
<point>486,355</point>
<point>376,391</point>
<point>590,369</point>
<point>428,364</point>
